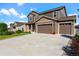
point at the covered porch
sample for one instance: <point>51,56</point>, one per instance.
<point>32,27</point>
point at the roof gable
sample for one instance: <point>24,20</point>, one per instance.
<point>43,16</point>
<point>32,13</point>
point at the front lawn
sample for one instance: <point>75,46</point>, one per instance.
<point>13,35</point>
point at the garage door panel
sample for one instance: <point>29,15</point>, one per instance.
<point>45,28</point>
<point>65,28</point>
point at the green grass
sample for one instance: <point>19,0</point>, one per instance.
<point>2,37</point>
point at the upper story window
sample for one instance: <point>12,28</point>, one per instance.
<point>29,19</point>
<point>32,17</point>
<point>55,14</point>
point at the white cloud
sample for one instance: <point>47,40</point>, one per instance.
<point>22,21</point>
<point>4,11</point>
<point>10,11</point>
<point>31,9</point>
<point>13,12</point>
<point>20,4</point>
<point>22,16</point>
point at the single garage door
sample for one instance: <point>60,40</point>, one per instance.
<point>65,28</point>
<point>45,28</point>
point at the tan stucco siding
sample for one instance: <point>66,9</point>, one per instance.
<point>49,14</point>
<point>73,28</point>
<point>43,20</point>
<point>61,13</point>
<point>20,27</point>
<point>27,28</point>
<point>23,27</point>
<point>56,27</point>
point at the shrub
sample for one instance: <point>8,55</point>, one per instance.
<point>75,44</point>
<point>19,31</point>
<point>0,33</point>
<point>76,36</point>
<point>7,33</point>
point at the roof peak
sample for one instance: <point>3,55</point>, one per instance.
<point>53,9</point>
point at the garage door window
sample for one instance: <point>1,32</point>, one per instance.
<point>65,24</point>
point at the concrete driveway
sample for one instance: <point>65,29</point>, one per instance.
<point>33,45</point>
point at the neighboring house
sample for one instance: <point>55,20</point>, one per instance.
<point>12,27</point>
<point>9,29</point>
<point>51,21</point>
<point>19,26</point>
<point>77,29</point>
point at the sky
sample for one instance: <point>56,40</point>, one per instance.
<point>11,12</point>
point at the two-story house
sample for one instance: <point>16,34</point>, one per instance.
<point>51,21</point>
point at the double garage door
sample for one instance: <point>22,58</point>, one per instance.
<point>65,28</point>
<point>45,28</point>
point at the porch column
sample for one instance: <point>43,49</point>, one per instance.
<point>31,28</point>
<point>52,27</point>
<point>36,27</point>
<point>58,28</point>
